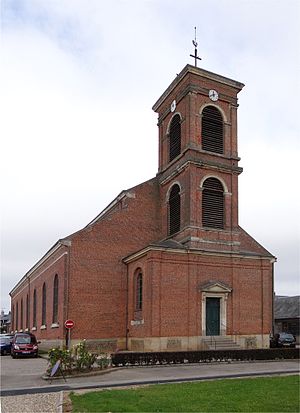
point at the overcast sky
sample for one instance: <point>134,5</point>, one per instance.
<point>78,80</point>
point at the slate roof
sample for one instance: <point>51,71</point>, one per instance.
<point>287,307</point>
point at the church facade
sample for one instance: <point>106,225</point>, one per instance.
<point>166,265</point>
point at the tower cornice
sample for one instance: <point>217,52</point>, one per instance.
<point>201,73</point>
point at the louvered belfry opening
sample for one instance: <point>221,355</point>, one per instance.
<point>175,137</point>
<point>212,130</point>
<point>174,210</point>
<point>213,204</point>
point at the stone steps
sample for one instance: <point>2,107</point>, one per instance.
<point>220,343</point>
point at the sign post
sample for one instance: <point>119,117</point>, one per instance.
<point>69,324</point>
<point>54,370</point>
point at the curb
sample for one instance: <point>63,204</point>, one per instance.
<point>83,374</point>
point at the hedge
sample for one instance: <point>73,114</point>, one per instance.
<point>181,357</point>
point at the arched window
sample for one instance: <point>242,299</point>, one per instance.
<point>55,300</point>
<point>13,318</point>
<point>34,309</point>
<point>213,204</point>
<point>212,130</point>
<point>27,311</point>
<point>139,291</point>
<point>174,210</point>
<point>44,297</point>
<point>17,316</point>
<point>175,137</point>
<point>21,316</point>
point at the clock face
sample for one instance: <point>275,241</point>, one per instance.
<point>173,106</point>
<point>213,95</point>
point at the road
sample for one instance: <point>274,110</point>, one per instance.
<point>24,376</point>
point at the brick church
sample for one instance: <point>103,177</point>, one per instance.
<point>165,266</point>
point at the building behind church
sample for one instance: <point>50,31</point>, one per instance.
<point>166,265</point>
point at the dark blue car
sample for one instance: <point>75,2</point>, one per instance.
<point>5,345</point>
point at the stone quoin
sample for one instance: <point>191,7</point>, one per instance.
<point>165,266</point>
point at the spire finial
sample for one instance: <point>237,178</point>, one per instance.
<point>196,45</point>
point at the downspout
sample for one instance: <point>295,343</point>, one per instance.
<point>67,244</point>
<point>127,289</point>
<point>273,295</point>
<point>29,305</point>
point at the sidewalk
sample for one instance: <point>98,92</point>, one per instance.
<point>48,398</point>
<point>128,376</point>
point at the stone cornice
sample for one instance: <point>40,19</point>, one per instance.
<point>199,72</point>
<point>165,177</point>
<point>186,251</point>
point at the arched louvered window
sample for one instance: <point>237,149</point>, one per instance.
<point>34,309</point>
<point>44,298</point>
<point>139,291</point>
<point>27,311</point>
<point>17,316</point>
<point>55,300</point>
<point>21,316</point>
<point>174,210</point>
<point>212,130</point>
<point>175,137</point>
<point>213,204</point>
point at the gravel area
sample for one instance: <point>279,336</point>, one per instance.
<point>32,403</point>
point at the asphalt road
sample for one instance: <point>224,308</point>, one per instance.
<point>24,376</point>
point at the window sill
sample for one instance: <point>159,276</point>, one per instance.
<point>33,329</point>
<point>54,325</point>
<point>43,327</point>
<point>26,329</point>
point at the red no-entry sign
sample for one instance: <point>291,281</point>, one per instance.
<point>69,324</point>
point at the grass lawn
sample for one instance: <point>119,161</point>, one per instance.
<point>263,394</point>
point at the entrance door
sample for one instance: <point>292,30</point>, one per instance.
<point>212,316</point>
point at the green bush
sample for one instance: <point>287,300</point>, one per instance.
<point>83,359</point>
<point>103,361</point>
<point>62,354</point>
<point>76,359</point>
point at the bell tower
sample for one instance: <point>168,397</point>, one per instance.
<point>198,159</point>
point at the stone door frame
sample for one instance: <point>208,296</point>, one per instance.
<point>215,290</point>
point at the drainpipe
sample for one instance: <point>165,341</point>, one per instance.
<point>273,296</point>
<point>67,245</point>
<point>127,289</point>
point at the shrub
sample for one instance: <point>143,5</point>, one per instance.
<point>64,355</point>
<point>83,359</point>
<point>103,361</point>
<point>174,357</point>
<point>78,358</point>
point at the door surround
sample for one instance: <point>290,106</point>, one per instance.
<point>215,289</point>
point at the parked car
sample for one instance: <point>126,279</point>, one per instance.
<point>5,345</point>
<point>283,340</point>
<point>10,336</point>
<point>24,344</point>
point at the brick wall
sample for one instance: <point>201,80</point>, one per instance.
<point>56,263</point>
<point>172,302</point>
<point>98,276</point>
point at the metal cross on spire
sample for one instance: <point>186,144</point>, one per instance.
<point>195,44</point>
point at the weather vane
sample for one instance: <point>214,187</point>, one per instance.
<point>195,44</point>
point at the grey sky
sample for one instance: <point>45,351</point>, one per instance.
<point>78,80</point>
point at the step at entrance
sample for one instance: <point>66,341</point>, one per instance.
<point>220,343</point>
